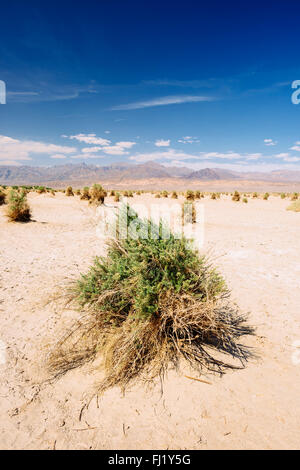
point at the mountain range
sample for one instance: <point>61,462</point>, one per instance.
<point>82,173</point>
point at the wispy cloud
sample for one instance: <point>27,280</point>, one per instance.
<point>188,140</point>
<point>162,101</point>
<point>89,139</point>
<point>270,142</point>
<point>162,143</point>
<point>15,150</point>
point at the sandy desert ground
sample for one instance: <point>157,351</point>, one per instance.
<point>257,248</point>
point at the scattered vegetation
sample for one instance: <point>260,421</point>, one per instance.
<point>145,306</point>
<point>117,197</point>
<point>245,200</point>
<point>266,196</point>
<point>174,195</point>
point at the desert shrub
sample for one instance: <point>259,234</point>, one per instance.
<point>294,197</point>
<point>126,193</point>
<point>255,195</point>
<point>2,197</point>
<point>97,194</point>
<point>78,192</point>
<point>69,191</point>
<point>157,195</point>
<point>174,195</point>
<point>188,212</point>
<point>266,196</point>
<point>165,194</point>
<point>117,197</point>
<point>130,194</point>
<point>245,200</point>
<point>112,193</point>
<point>236,196</point>
<point>18,209</point>
<point>213,196</point>
<point>295,206</point>
<point>148,304</point>
<point>85,195</point>
<point>189,195</point>
<point>52,193</point>
<point>41,190</point>
<point>283,195</point>
<point>197,195</point>
<point>138,193</point>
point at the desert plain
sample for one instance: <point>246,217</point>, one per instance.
<point>256,246</point>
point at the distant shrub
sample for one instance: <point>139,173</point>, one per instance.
<point>112,193</point>
<point>97,194</point>
<point>69,191</point>
<point>165,194</point>
<point>255,195</point>
<point>197,195</point>
<point>41,190</point>
<point>117,197</point>
<point>266,196</point>
<point>189,195</point>
<point>18,209</point>
<point>283,195</point>
<point>236,196</point>
<point>294,197</point>
<point>213,196</point>
<point>174,195</point>
<point>85,194</point>
<point>295,206</point>
<point>2,197</point>
<point>138,193</point>
<point>157,195</point>
<point>245,200</point>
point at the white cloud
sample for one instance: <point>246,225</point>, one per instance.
<point>270,142</point>
<point>90,139</point>
<point>188,140</point>
<point>13,149</point>
<point>163,101</point>
<point>162,143</point>
<point>91,149</point>
<point>296,147</point>
<point>126,145</point>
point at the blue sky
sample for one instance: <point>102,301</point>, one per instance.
<point>197,84</point>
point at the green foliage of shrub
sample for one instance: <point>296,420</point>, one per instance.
<point>147,304</point>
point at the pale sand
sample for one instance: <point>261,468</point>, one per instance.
<point>256,246</point>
